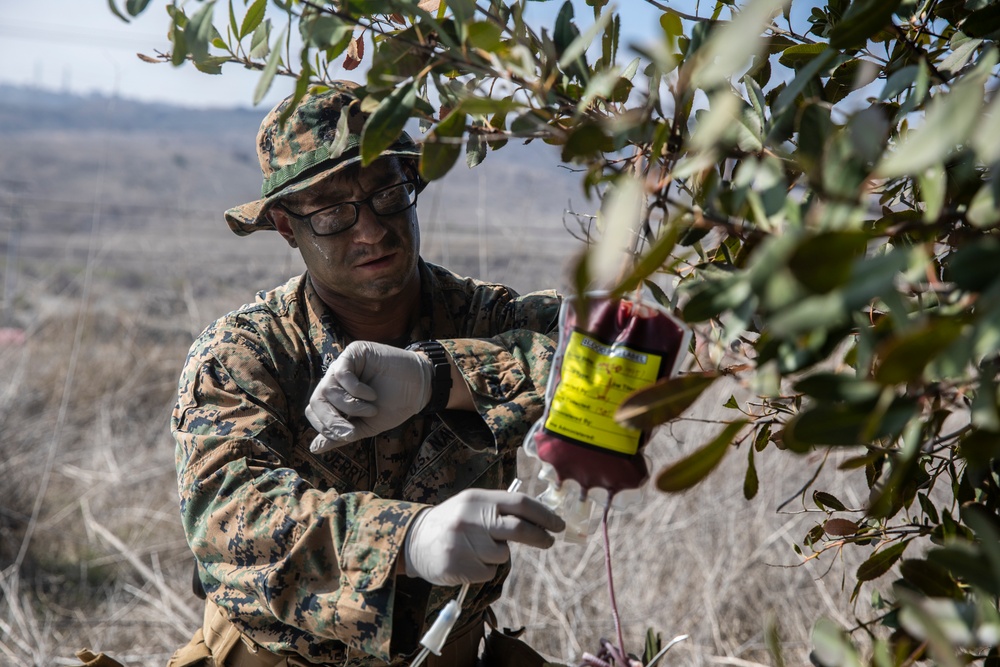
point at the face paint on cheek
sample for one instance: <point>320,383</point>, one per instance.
<point>319,249</point>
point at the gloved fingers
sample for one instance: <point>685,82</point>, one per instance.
<point>514,529</point>
<point>469,574</point>
<point>346,403</point>
<point>332,427</point>
<point>349,382</point>
<point>528,508</point>
<point>322,444</point>
<point>490,549</point>
<point>477,574</point>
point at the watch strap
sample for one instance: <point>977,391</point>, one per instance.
<point>440,376</point>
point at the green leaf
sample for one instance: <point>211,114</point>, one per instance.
<point>863,19</point>
<point>980,447</point>
<point>259,46</point>
<point>950,120</point>
<point>899,81</point>
<point>117,12</point>
<point>959,57</point>
<point>848,77</point>
<point>829,501</point>
<point>696,466</point>
<point>974,267</point>
<point>324,31</point>
<point>876,276</point>
<point>984,212</point>
<point>136,7</point>
<point>837,387</point>
<point>234,29</point>
<point>762,438</point>
<point>485,35</point>
<point>343,134</point>
<point>253,18</point>
<point>651,261</point>
<point>585,141</point>
<point>751,484</point>
<point>823,311</point>
<point>715,296</point>
<point>199,32</point>
<point>481,106</point>
<point>672,27</point>
<point>983,22</point>
<point>270,69</point>
<point>800,55</point>
<point>933,188</point>
<point>929,578</point>
<point>180,49</point>
<point>825,261</point>
<point>475,150</point>
<point>733,44</point>
<point>664,401</point>
<point>442,146</point>
<point>582,42</point>
<point>211,64</point>
<point>386,122</point>
<point>842,424</point>
<point>619,221</point>
<point>905,357</point>
<point>802,79</point>
<point>985,133</point>
<point>966,562</point>
<point>832,646</point>
<point>881,562</point>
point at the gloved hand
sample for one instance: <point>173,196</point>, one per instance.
<point>463,539</point>
<point>369,389</point>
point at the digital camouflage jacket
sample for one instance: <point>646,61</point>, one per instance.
<point>300,549</point>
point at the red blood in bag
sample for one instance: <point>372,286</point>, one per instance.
<point>621,347</point>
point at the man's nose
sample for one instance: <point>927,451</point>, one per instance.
<point>369,227</point>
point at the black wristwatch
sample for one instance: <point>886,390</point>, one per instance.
<point>441,378</point>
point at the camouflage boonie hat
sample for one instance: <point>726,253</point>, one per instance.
<point>307,150</point>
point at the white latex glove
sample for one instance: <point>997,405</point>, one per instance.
<point>463,539</point>
<point>369,389</point>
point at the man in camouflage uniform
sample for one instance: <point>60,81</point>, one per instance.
<point>336,486</point>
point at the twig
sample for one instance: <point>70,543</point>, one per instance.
<point>168,594</point>
<point>809,482</point>
<point>611,583</point>
<point>663,651</point>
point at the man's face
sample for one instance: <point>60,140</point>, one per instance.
<point>373,260</point>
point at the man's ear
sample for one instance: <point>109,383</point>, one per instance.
<point>283,224</point>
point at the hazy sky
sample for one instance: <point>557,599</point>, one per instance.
<point>80,46</point>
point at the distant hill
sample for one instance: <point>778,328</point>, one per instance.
<point>33,109</point>
<point>144,165</point>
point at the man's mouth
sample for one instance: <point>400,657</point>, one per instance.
<point>376,262</point>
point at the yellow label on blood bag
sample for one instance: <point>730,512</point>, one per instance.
<point>595,379</point>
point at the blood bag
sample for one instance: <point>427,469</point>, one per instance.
<point>615,347</point>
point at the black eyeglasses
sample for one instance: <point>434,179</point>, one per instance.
<point>340,217</point>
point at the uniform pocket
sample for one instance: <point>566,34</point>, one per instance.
<point>444,465</point>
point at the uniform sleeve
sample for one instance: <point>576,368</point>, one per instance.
<point>270,545</point>
<point>505,360</point>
